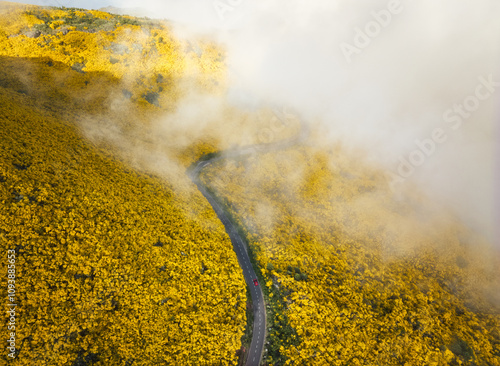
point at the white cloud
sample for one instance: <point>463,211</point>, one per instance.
<point>426,59</point>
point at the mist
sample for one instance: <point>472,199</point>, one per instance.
<point>413,84</point>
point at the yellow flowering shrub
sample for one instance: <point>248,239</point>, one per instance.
<point>365,279</point>
<point>13,18</point>
<point>100,14</point>
<point>32,20</point>
<point>113,266</point>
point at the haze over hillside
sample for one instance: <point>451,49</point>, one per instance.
<point>136,12</point>
<point>384,93</point>
<point>316,178</point>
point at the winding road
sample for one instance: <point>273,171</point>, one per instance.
<point>259,309</point>
<point>254,353</point>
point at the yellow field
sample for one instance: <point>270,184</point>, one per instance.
<point>112,266</point>
<point>119,260</point>
<point>367,279</point>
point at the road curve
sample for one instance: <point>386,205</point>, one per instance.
<point>254,353</point>
<point>259,310</point>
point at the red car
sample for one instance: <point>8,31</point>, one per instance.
<point>255,282</point>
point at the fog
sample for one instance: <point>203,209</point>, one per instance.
<point>414,84</point>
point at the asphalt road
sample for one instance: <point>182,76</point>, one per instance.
<point>259,310</point>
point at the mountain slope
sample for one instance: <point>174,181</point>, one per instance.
<point>355,275</point>
<point>112,266</point>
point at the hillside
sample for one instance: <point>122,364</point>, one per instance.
<point>116,258</point>
<point>354,276</point>
<point>112,266</point>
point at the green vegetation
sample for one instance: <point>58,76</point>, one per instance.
<point>82,20</point>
